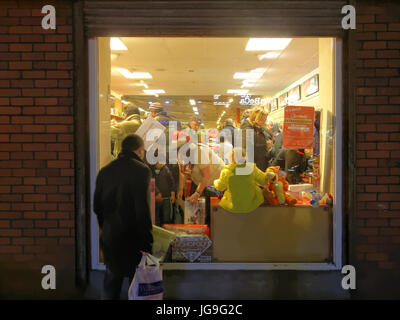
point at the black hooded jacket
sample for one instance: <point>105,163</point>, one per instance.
<point>122,206</point>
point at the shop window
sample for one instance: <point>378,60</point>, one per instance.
<point>202,85</point>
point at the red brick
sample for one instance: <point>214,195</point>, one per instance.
<point>378,63</point>
<point>389,196</point>
<point>366,146</point>
<point>377,82</point>
<point>47,65</point>
<point>21,47</point>
<point>32,92</point>
<point>46,206</point>
<point>46,189</point>
<point>46,83</point>
<point>22,83</point>
<point>22,189</point>
<point>377,154</point>
<point>376,188</point>
<point>58,215</point>
<point>388,54</point>
<point>35,181</point>
<point>44,137</point>
<point>57,147</point>
<point>48,172</point>
<point>58,128</point>
<point>388,35</point>
<point>31,21</point>
<point>376,137</point>
<point>58,74</point>
<point>46,224</point>
<point>376,256</point>
<point>34,215</point>
<point>10,249</point>
<point>395,222</point>
<point>389,180</point>
<point>33,128</point>
<point>388,128</point>
<point>388,146</point>
<point>367,248</point>
<point>23,241</point>
<point>33,74</point>
<point>23,224</point>
<point>45,155</point>
<point>57,232</point>
<point>375,27</point>
<point>57,92</point>
<point>44,47</point>
<point>11,233</point>
<point>45,101</point>
<point>34,232</point>
<point>393,72</point>
<point>22,156</point>
<point>64,47</point>
<point>58,164</point>
<point>366,54</point>
<point>4,74</point>
<point>55,38</point>
<point>373,45</point>
<point>34,147</point>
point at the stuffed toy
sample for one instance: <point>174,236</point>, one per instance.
<point>316,197</point>
<point>276,191</point>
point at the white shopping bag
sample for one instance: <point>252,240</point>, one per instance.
<point>147,283</point>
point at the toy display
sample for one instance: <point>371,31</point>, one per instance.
<point>316,197</point>
<point>276,191</point>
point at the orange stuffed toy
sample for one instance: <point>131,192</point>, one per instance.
<point>275,193</point>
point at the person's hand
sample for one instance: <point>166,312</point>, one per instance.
<point>179,195</point>
<point>172,198</point>
<point>158,197</point>
<point>194,198</point>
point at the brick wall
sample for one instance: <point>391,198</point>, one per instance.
<point>377,223</point>
<point>36,137</point>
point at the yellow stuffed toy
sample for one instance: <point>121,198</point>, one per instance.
<point>240,183</point>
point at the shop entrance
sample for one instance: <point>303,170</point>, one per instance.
<point>208,83</point>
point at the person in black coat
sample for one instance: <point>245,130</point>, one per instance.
<point>122,206</point>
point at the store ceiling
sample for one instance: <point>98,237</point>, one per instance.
<point>199,68</point>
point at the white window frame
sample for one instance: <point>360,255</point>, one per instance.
<point>337,208</point>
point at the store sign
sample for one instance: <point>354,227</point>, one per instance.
<point>247,100</point>
<point>221,103</point>
<point>298,127</point>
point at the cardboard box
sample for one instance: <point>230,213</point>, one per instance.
<point>189,248</point>
<point>188,229</point>
<point>195,213</point>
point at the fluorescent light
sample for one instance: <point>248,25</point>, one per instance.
<point>192,102</point>
<point>266,44</point>
<point>195,109</point>
<point>230,100</point>
<point>167,102</point>
<point>269,55</point>
<point>140,109</point>
<point>196,112</point>
<point>248,83</point>
<point>134,75</point>
<point>140,84</point>
<point>154,91</point>
<point>114,56</point>
<point>117,44</point>
<point>124,102</point>
<point>227,106</point>
<point>247,75</point>
<point>238,91</point>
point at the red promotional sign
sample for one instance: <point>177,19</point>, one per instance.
<point>298,127</point>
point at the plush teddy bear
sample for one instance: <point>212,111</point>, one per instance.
<point>276,190</point>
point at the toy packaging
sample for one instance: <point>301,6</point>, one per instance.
<point>195,213</point>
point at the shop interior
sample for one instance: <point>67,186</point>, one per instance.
<point>216,79</point>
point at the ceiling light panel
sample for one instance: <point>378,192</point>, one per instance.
<point>117,45</point>
<point>267,44</point>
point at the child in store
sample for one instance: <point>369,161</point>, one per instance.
<point>165,193</point>
<point>239,179</point>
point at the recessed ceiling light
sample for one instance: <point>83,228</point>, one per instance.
<point>124,102</point>
<point>117,44</point>
<point>248,83</point>
<point>269,55</point>
<point>154,91</point>
<point>134,75</point>
<point>167,102</point>
<point>192,102</point>
<point>114,56</point>
<point>248,75</point>
<point>266,44</point>
<point>238,91</point>
<point>195,109</point>
<point>140,84</point>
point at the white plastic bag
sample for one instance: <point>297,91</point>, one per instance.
<point>147,283</point>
